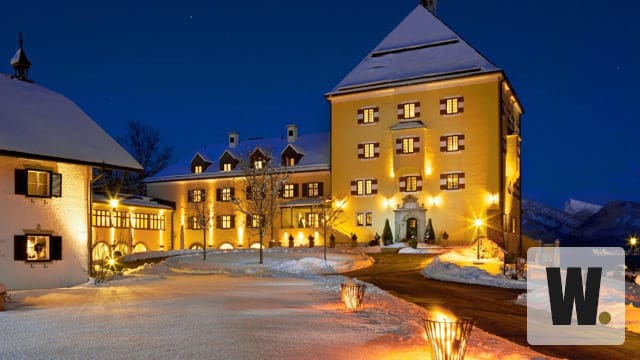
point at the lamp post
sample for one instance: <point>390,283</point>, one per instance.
<point>478,224</point>
<point>633,242</point>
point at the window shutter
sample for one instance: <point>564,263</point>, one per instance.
<point>443,181</point>
<point>460,142</point>
<point>203,197</point>
<point>21,182</point>
<point>248,221</point>
<point>360,151</point>
<point>219,222</point>
<point>419,183</point>
<point>461,181</point>
<point>403,183</point>
<point>376,150</point>
<point>218,194</point>
<point>320,189</point>
<point>400,111</point>
<point>443,143</point>
<point>19,247</point>
<point>55,247</point>
<point>190,195</point>
<point>233,193</point>
<point>376,114</point>
<point>295,190</point>
<point>443,106</point>
<point>461,104</point>
<point>233,221</point>
<point>56,185</point>
<point>416,144</point>
<point>360,116</point>
<point>305,190</point>
<point>417,109</point>
<point>354,187</point>
<point>248,193</point>
<point>398,146</point>
<point>374,186</point>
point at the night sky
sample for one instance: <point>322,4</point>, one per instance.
<point>196,70</point>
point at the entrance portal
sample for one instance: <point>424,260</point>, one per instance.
<point>412,228</point>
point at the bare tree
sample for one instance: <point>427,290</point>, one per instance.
<point>331,212</point>
<point>201,216</point>
<point>143,143</point>
<point>263,184</point>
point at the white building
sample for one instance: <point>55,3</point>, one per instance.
<point>48,150</point>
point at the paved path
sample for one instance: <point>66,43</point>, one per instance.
<point>492,308</point>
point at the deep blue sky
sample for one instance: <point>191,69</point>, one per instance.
<point>199,69</point>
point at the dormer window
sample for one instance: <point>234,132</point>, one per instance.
<point>199,164</point>
<point>257,164</point>
<point>290,157</point>
<point>228,162</point>
<point>258,159</point>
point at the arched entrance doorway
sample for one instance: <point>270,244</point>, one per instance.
<point>412,228</point>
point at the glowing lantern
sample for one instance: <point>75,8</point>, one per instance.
<point>352,295</point>
<point>448,336</point>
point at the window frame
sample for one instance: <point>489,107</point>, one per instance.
<point>408,145</point>
<point>411,183</point>
<point>196,196</point>
<point>225,222</point>
<point>364,218</point>
<point>313,189</point>
<point>452,181</point>
<point>288,191</point>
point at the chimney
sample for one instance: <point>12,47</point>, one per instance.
<point>429,5</point>
<point>233,139</point>
<point>292,133</point>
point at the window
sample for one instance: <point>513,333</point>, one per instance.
<point>368,150</point>
<point>37,247</point>
<point>156,222</point>
<point>313,220</point>
<point>226,167</point>
<point>225,194</point>
<point>514,225</point>
<point>194,223</point>
<point>364,218</point>
<point>121,219</point>
<point>225,222</point>
<point>290,161</point>
<point>197,169</point>
<point>505,222</point>
<point>408,145</point>
<point>38,183</point>
<point>257,164</point>
<point>410,110</point>
<point>196,195</point>
<point>452,143</point>
<point>255,221</point>
<point>140,221</point>
<point>289,191</point>
<point>364,187</point>
<point>452,181</point>
<point>101,218</point>
<point>452,105</point>
<point>313,189</point>
<point>411,183</point>
<point>367,115</point>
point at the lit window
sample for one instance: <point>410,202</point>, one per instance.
<point>255,221</point>
<point>226,194</point>
<point>452,143</point>
<point>195,223</point>
<point>505,222</point>
<point>407,145</point>
<point>365,187</point>
<point>453,181</point>
<point>291,161</point>
<point>38,248</point>
<point>197,169</point>
<point>409,110</point>
<point>411,183</point>
<point>452,106</point>
<point>368,116</point>
<point>38,183</point>
<point>257,164</point>
<point>226,167</point>
<point>313,220</point>
<point>314,189</point>
<point>196,196</point>
<point>226,221</point>
<point>288,191</point>
<point>364,218</point>
<point>369,151</point>
<point>514,225</point>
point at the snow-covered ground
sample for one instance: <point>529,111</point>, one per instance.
<point>228,307</point>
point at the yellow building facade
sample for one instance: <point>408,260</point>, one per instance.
<point>426,129</point>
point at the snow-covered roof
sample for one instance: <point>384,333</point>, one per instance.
<point>135,200</point>
<point>420,49</point>
<point>40,123</point>
<point>408,125</point>
<point>314,148</point>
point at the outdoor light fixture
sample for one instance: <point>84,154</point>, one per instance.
<point>113,203</point>
<point>448,336</point>
<point>352,295</point>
